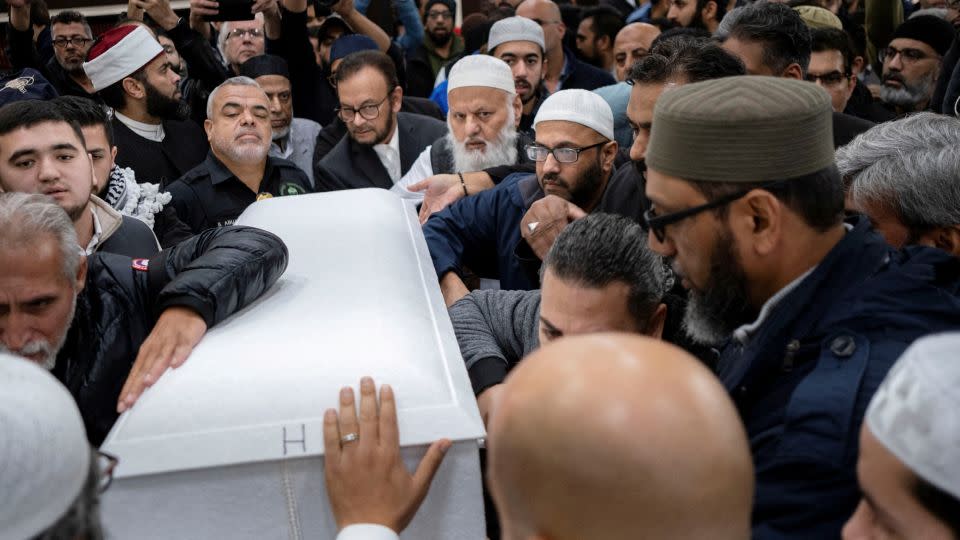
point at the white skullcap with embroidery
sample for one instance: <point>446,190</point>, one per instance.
<point>44,453</point>
<point>481,70</point>
<point>580,107</point>
<point>914,412</point>
<point>515,29</point>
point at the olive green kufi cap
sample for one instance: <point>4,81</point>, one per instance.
<point>742,129</point>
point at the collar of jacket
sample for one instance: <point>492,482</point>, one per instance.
<point>219,172</point>
<point>110,219</point>
<point>857,256</point>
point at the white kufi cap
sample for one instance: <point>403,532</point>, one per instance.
<point>580,107</point>
<point>44,453</point>
<point>481,70</point>
<point>515,29</point>
<point>914,412</point>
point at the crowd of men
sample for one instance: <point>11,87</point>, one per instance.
<point>721,239</point>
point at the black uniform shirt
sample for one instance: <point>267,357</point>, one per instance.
<point>209,195</point>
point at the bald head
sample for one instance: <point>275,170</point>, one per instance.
<point>633,42</point>
<point>547,14</point>
<point>615,436</point>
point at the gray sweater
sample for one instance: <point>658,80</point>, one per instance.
<point>495,329</point>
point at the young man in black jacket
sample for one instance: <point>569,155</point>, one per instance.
<point>109,326</point>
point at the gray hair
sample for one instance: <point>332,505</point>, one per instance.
<point>935,12</point>
<point>232,81</point>
<point>910,166</point>
<point>82,519</point>
<point>225,33</point>
<point>25,217</point>
<point>601,249</point>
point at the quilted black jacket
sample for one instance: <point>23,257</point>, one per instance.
<point>215,273</point>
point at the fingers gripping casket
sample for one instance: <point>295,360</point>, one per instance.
<point>231,444</point>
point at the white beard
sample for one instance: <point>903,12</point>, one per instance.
<point>502,151</point>
<point>49,350</point>
<point>281,133</point>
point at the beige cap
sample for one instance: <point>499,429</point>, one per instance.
<point>742,129</point>
<point>817,17</point>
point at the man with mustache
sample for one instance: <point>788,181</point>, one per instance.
<point>238,170</point>
<point>131,73</point>
<point>43,151</point>
<point>440,44</point>
<point>483,114</point>
<point>574,154</point>
<point>519,42</point>
<point>72,39</point>
<point>911,63</point>
<point>809,312</point>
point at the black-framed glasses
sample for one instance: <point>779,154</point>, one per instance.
<point>254,33</point>
<point>658,224</point>
<point>538,152</point>
<point>367,112</point>
<point>63,42</point>
<point>907,55</point>
<point>106,463</point>
<point>439,15</point>
<point>828,79</point>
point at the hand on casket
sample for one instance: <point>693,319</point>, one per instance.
<point>177,332</point>
<point>367,481</point>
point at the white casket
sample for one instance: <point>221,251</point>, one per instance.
<point>231,444</point>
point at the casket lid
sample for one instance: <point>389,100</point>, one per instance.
<point>359,297</point>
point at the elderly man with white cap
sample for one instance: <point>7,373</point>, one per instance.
<point>910,448</point>
<point>48,473</point>
<point>484,111</point>
<point>574,153</point>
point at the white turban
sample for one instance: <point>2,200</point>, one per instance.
<point>481,70</point>
<point>580,107</point>
<point>914,412</point>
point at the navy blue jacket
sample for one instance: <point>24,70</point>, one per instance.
<point>804,379</point>
<point>482,232</point>
<point>580,74</point>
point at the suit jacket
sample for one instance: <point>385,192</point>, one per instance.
<point>300,145</point>
<point>183,148</point>
<point>351,166</point>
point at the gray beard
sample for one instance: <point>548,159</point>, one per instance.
<point>502,151</point>
<point>280,134</point>
<point>49,350</point>
<point>908,96</point>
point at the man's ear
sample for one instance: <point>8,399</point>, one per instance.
<point>656,322</point>
<point>208,127</point>
<point>113,154</point>
<point>604,43</point>
<point>133,88</point>
<point>759,218</point>
<point>609,154</point>
<point>396,99</point>
<point>517,111</point>
<point>81,280</point>
<point>857,65</point>
<point>793,71</point>
<point>709,11</point>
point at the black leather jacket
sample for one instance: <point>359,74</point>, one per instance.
<point>215,273</point>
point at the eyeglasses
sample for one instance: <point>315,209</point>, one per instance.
<point>538,152</point>
<point>106,463</point>
<point>658,224</point>
<point>64,42</point>
<point>828,79</point>
<point>907,55</point>
<point>367,112</point>
<point>441,15</point>
<point>254,33</point>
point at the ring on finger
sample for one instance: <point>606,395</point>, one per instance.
<point>349,437</point>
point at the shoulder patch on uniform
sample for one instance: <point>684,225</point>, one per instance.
<point>291,188</point>
<point>140,265</point>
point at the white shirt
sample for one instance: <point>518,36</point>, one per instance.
<point>367,531</point>
<point>97,233</point>
<point>421,169</point>
<point>389,155</point>
<point>151,132</point>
